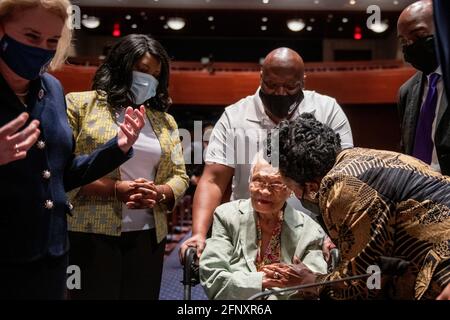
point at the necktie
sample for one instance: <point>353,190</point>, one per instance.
<point>423,144</point>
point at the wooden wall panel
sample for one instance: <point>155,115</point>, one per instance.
<point>227,87</point>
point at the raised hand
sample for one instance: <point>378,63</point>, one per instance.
<point>129,130</point>
<point>14,144</point>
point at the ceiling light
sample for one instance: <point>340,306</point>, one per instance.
<point>263,28</point>
<point>128,17</point>
<point>162,18</point>
<point>395,2</point>
<point>265,1</point>
<point>176,23</point>
<point>91,22</point>
<point>309,28</point>
<point>134,26</point>
<point>316,1</point>
<point>210,18</point>
<point>352,2</point>
<point>379,27</point>
<point>295,25</point>
<point>264,19</point>
<point>344,20</point>
<point>312,20</point>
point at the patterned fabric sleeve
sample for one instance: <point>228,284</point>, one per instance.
<point>179,180</point>
<point>357,219</point>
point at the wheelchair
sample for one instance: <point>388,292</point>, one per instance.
<point>191,276</point>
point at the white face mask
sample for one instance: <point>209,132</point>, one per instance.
<point>143,87</point>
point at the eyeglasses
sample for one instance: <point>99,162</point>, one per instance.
<point>272,187</point>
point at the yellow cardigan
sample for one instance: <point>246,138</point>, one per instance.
<point>93,123</point>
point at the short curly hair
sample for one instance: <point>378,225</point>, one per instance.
<point>307,148</point>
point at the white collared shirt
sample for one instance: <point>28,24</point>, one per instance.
<point>440,88</point>
<point>228,147</point>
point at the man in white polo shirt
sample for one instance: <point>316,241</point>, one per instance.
<point>242,130</point>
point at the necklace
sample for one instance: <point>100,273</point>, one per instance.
<point>22,94</point>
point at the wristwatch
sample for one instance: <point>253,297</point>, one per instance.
<point>163,197</point>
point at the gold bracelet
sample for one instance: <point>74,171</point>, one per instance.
<point>163,195</point>
<point>115,189</point>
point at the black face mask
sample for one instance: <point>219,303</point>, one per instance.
<point>422,55</point>
<point>281,106</point>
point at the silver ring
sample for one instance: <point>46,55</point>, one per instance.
<point>17,148</point>
<point>276,275</point>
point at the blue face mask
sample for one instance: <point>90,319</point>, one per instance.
<point>26,61</point>
<point>143,87</point>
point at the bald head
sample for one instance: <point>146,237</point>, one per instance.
<point>282,72</point>
<point>283,59</point>
<point>416,21</point>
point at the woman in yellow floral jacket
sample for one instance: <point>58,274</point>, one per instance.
<point>118,224</point>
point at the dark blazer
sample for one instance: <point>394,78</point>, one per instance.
<point>409,104</point>
<point>441,14</point>
<point>33,190</point>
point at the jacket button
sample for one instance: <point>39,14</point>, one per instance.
<point>48,204</point>
<point>40,144</point>
<point>46,174</point>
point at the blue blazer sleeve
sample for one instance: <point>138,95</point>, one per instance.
<point>85,169</point>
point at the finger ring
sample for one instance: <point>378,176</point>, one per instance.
<point>276,275</point>
<point>17,148</point>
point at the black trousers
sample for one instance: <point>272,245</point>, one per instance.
<point>128,267</point>
<point>43,279</point>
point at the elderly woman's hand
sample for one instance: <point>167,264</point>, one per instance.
<point>287,275</point>
<point>130,128</point>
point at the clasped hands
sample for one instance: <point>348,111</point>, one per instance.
<point>281,275</point>
<point>137,194</point>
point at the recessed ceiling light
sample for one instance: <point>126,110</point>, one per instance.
<point>90,22</point>
<point>85,16</point>
<point>134,26</point>
<point>395,2</point>
<point>128,17</point>
<point>176,23</point>
<point>212,27</point>
<point>143,13</point>
<point>162,18</point>
<point>379,27</point>
<point>309,28</point>
<point>265,1</point>
<point>263,28</point>
<point>210,18</point>
<point>312,20</point>
<point>295,25</point>
<point>316,1</point>
<point>340,29</point>
<point>344,20</point>
<point>166,26</point>
<point>352,2</point>
<point>264,19</point>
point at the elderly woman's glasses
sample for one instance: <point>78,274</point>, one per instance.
<point>272,187</point>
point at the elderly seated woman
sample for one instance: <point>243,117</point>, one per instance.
<point>255,243</point>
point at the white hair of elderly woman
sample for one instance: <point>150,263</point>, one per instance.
<point>260,159</point>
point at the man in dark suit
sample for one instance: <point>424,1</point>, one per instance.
<point>423,106</point>
<point>442,23</point>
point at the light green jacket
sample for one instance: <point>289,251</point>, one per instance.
<point>227,268</point>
